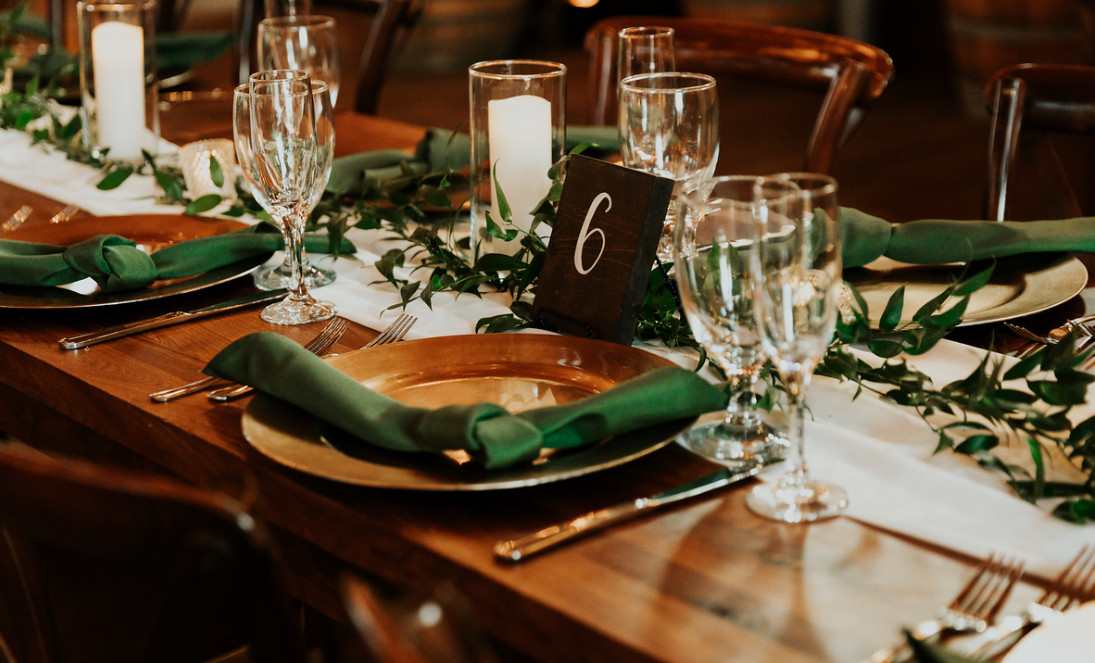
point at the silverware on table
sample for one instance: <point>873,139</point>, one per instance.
<point>394,332</point>
<point>971,611</point>
<point>18,218</point>
<point>1054,335</point>
<point>321,343</point>
<point>1074,585</point>
<point>521,548</point>
<point>174,318</point>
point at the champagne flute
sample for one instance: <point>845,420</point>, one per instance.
<point>307,43</point>
<point>644,50</point>
<point>284,166</point>
<point>795,274</point>
<point>711,240</point>
<point>273,278</point>
<point>669,126</point>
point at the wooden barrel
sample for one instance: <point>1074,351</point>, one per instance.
<point>453,34</point>
<point>987,35</point>
<point>807,14</point>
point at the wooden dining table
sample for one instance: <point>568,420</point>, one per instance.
<point>704,581</point>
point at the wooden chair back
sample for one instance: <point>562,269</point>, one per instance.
<point>371,32</point>
<point>849,75</point>
<point>99,564</point>
<point>433,630</point>
<point>1043,117</point>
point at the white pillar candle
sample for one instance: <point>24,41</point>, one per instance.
<point>519,133</point>
<point>117,56</point>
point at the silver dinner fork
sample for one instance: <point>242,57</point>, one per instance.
<point>18,218</point>
<point>65,214</point>
<point>1055,335</point>
<point>320,344</point>
<point>971,611</point>
<point>394,332</point>
<point>1075,584</point>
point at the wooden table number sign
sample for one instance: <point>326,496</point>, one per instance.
<point>601,251</point>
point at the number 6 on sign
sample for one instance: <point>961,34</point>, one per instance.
<point>585,233</point>
<point>601,251</point>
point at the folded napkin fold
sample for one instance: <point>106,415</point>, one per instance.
<point>440,150</point>
<point>940,241</point>
<point>116,264</point>
<point>496,438</point>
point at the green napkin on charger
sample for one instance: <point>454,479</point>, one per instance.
<point>116,264</point>
<point>440,150</point>
<point>496,438</point>
<point>940,241</point>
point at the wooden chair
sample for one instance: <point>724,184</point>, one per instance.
<point>849,74</point>
<point>99,564</point>
<point>389,23</point>
<point>436,630</point>
<point>1031,105</point>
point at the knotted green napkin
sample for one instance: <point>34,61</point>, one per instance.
<point>440,150</point>
<point>496,438</point>
<point>117,265</point>
<point>940,241</point>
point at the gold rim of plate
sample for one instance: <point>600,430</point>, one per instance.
<point>518,371</point>
<point>1020,285</point>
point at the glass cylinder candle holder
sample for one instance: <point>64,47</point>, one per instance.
<point>118,86</point>
<point>518,130</point>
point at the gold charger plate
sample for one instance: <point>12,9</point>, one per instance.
<point>151,232</point>
<point>518,371</point>
<point>1020,285</point>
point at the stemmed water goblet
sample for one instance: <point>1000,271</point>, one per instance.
<point>711,240</point>
<point>273,278</point>
<point>795,278</point>
<point>669,126</point>
<point>306,42</point>
<point>644,50</point>
<point>284,167</point>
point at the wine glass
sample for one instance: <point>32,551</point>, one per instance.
<point>273,278</point>
<point>305,42</point>
<point>711,240</point>
<point>669,126</point>
<point>285,165</point>
<point>644,50</point>
<point>795,272</point>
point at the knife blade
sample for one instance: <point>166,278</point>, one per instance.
<point>173,318</point>
<point>519,549</point>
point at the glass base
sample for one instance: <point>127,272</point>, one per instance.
<point>807,503</point>
<point>734,445</point>
<point>291,311</point>
<point>274,278</point>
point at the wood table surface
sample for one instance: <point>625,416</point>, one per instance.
<point>706,581</point>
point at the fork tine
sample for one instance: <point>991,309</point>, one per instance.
<point>328,337</point>
<point>988,590</point>
<point>65,214</point>
<point>1072,584</point>
<point>395,331</point>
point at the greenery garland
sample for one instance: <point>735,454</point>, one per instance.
<point>982,411</point>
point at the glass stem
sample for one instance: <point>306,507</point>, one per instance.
<point>740,407</point>
<point>798,475</point>
<point>295,250</point>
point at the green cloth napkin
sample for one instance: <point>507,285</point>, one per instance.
<point>940,241</point>
<point>496,438</point>
<point>440,150</point>
<point>117,265</point>
<point>177,52</point>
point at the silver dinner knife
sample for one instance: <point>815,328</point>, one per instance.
<point>516,550</point>
<point>173,318</point>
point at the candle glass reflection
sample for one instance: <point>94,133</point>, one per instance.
<point>118,85</point>
<point>518,129</point>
